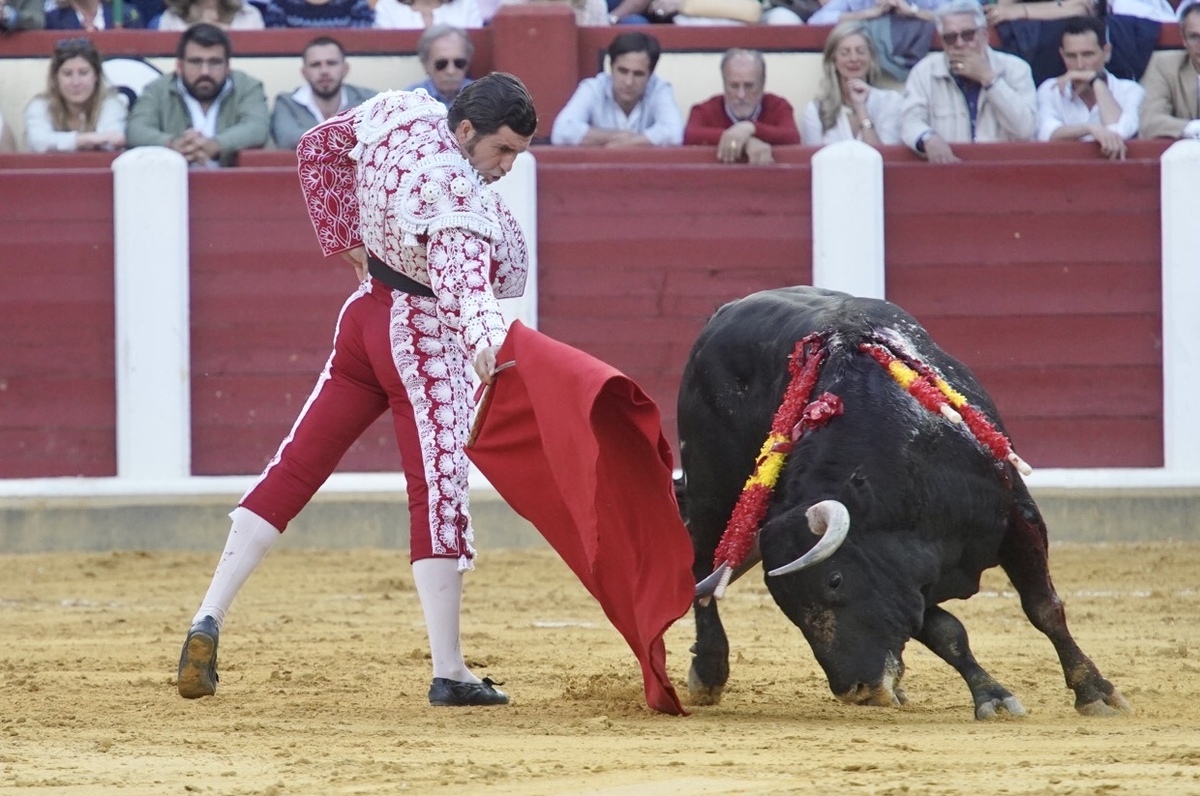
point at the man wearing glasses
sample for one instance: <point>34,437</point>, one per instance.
<point>324,94</point>
<point>968,92</point>
<point>1172,83</point>
<point>205,111</point>
<point>445,52</point>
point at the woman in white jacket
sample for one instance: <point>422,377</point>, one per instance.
<point>850,104</point>
<point>77,111</point>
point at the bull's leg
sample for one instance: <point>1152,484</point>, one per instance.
<point>947,638</point>
<point>710,661</point>
<point>1025,558</point>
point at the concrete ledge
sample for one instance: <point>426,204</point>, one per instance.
<point>373,519</point>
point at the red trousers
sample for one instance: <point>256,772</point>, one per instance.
<point>390,350</point>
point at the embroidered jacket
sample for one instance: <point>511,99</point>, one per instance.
<point>390,175</point>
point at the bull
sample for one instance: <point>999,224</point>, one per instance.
<point>886,503</point>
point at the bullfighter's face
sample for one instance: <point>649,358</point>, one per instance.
<point>493,154</point>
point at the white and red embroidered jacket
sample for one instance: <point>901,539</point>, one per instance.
<point>390,175</point>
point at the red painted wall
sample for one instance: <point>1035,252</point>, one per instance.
<point>57,358</point>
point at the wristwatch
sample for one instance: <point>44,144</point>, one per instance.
<point>1100,75</point>
<point>921,139</point>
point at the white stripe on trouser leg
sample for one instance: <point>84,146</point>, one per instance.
<point>439,585</point>
<point>250,539</point>
<point>433,368</point>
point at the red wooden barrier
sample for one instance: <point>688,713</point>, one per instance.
<point>57,358</point>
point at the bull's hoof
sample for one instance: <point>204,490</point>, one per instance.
<point>1112,705</point>
<point>701,694</point>
<point>993,708</point>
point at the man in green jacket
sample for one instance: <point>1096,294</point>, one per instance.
<point>205,111</point>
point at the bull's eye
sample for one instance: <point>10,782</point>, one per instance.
<point>835,580</point>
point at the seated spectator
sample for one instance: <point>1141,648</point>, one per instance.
<point>850,103</point>
<point>631,107</point>
<point>318,14</point>
<point>1033,30</point>
<point>744,121</point>
<point>417,14</point>
<point>1087,103</point>
<point>901,32</point>
<point>22,15</point>
<point>226,14</point>
<point>705,12</point>
<point>969,92</point>
<point>7,143</point>
<point>78,110</point>
<point>91,16</point>
<point>445,53</point>
<point>1172,83</point>
<point>323,95</point>
<point>204,110</point>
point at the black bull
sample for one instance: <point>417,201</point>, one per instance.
<point>929,506</point>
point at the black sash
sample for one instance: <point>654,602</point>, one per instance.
<point>395,279</point>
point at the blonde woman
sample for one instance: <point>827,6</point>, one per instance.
<point>227,14</point>
<point>77,111</point>
<point>850,103</point>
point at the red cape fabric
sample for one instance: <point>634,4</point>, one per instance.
<point>577,448</point>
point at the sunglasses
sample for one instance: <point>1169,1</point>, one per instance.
<point>440,64</point>
<point>75,46</point>
<point>967,37</point>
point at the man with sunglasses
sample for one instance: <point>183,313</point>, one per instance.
<point>324,94</point>
<point>445,52</point>
<point>1172,83</point>
<point>205,111</point>
<point>968,92</point>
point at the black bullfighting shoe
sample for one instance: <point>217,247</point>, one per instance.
<point>452,693</point>
<point>198,661</point>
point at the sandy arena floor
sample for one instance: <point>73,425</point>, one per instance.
<point>324,677</point>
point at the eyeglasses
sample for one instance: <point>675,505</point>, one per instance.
<point>440,64</point>
<point>967,37</point>
<point>75,46</point>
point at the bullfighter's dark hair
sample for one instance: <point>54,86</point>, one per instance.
<point>1077,25</point>
<point>635,43</point>
<point>204,35</point>
<point>498,100</point>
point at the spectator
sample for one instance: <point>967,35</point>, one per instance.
<point>445,52</point>
<point>967,93</point>
<point>7,144</point>
<point>77,110</point>
<point>226,14</point>
<point>323,95</point>
<point>317,14</point>
<point>901,31</point>
<point>1172,84</point>
<point>1087,103</point>
<point>91,16</point>
<point>631,107</point>
<point>22,15</point>
<point>744,121</point>
<point>706,12</point>
<point>850,103</point>
<point>1033,30</point>
<point>204,110</point>
<point>417,14</point>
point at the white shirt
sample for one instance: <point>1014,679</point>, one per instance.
<point>656,116</point>
<point>205,121</point>
<point>393,14</point>
<point>304,96</point>
<point>1153,10</point>
<point>1056,108</point>
<point>42,137</point>
<point>883,107</point>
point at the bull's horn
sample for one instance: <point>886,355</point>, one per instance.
<point>707,588</point>
<point>830,520</point>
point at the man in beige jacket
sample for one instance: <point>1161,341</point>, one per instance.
<point>968,92</point>
<point>1172,83</point>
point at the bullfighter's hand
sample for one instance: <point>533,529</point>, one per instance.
<point>358,258</point>
<point>485,364</point>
